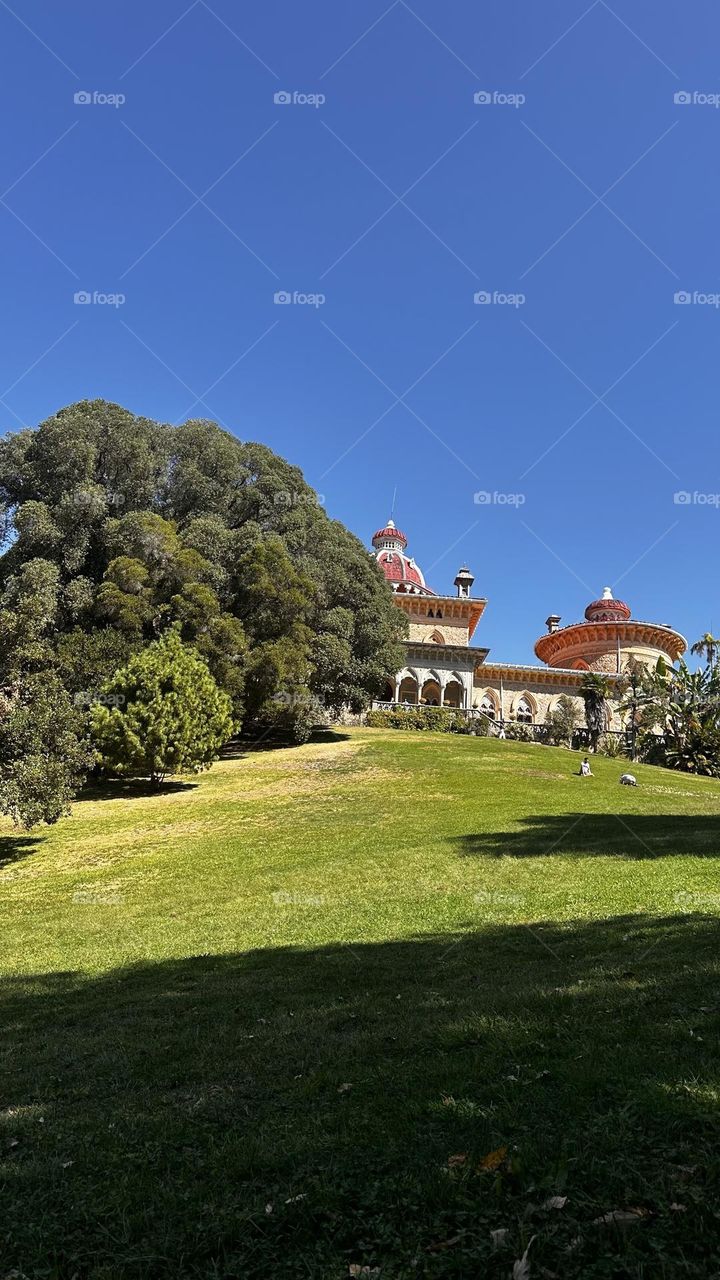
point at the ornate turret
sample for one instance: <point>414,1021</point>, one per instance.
<point>608,639</point>
<point>463,581</point>
<point>401,571</point>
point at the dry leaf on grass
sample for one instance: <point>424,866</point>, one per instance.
<point>621,1217</point>
<point>499,1236</point>
<point>555,1202</point>
<point>521,1266</point>
<point>444,1244</point>
<point>493,1159</point>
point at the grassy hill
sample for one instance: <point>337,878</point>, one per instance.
<point>361,1004</point>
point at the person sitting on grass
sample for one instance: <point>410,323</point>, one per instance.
<point>585,770</point>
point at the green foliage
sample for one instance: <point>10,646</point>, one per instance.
<point>438,719</point>
<point>44,750</point>
<point>116,522</point>
<point>560,723</point>
<point>595,691</point>
<point>162,714</point>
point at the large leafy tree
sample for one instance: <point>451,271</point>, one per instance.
<point>44,751</point>
<point>161,714</point>
<point>120,526</point>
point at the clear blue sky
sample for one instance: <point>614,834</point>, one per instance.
<point>398,199</point>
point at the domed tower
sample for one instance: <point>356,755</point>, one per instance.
<point>401,571</point>
<point>608,640</point>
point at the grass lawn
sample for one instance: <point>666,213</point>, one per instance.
<point>362,1004</point>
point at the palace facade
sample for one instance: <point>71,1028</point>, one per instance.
<point>443,667</point>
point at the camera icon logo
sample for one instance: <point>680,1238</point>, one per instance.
<point>82,97</point>
<point>682,298</point>
<point>682,498</point>
<point>282,97</point>
<point>482,97</point>
<point>482,297</point>
<point>82,297</point>
<point>682,97</point>
<point>282,298</point>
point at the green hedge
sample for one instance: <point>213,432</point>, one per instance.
<point>439,719</point>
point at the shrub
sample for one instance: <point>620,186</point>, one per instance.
<point>439,719</point>
<point>163,714</point>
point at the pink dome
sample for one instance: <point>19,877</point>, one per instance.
<point>607,609</point>
<point>400,569</point>
<point>390,534</point>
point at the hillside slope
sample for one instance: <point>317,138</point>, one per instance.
<point>273,1020</point>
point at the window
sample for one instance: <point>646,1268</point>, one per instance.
<point>488,708</point>
<point>524,712</point>
<point>437,637</point>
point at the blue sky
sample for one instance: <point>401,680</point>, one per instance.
<point>397,199</point>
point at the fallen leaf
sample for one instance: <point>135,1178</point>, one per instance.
<point>499,1236</point>
<point>620,1217</point>
<point>294,1199</point>
<point>444,1244</point>
<point>521,1266</point>
<point>493,1159</point>
<point>555,1202</point>
<point>268,1207</point>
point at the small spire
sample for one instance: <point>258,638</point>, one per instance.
<point>607,593</point>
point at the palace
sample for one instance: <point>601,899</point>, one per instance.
<point>444,668</point>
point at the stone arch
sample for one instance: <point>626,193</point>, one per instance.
<point>437,637</point>
<point>454,695</point>
<point>408,686</point>
<point>490,704</point>
<point>430,691</point>
<point>525,708</point>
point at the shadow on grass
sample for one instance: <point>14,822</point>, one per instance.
<point>250,745</point>
<point>635,836</point>
<point>15,848</point>
<point>131,788</point>
<point>292,1112</point>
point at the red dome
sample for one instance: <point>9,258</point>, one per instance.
<point>390,532</point>
<point>607,609</point>
<point>399,568</point>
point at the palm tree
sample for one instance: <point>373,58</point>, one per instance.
<point>595,690</point>
<point>707,646</point>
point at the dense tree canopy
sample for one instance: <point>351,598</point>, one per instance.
<point>117,528</point>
